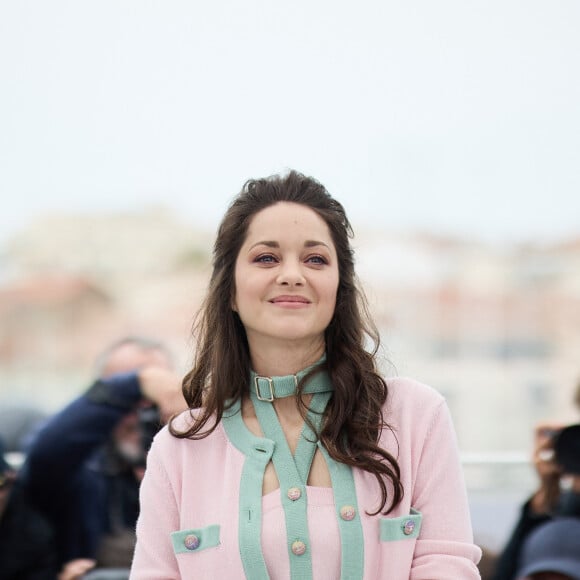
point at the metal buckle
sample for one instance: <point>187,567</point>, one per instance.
<point>269,399</point>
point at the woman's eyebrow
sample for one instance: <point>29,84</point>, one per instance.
<point>312,243</point>
<point>269,244</point>
<point>274,244</point>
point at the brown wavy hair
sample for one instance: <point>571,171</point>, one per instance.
<point>353,418</point>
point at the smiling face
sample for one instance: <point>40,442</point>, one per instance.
<point>286,277</point>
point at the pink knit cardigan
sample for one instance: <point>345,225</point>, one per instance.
<point>194,485</point>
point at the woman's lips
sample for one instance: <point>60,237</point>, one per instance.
<point>290,300</point>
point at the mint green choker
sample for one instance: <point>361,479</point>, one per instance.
<point>269,388</point>
<point>292,470</point>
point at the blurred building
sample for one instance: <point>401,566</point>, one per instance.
<point>71,284</point>
<point>496,329</point>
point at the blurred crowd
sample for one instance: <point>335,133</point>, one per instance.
<point>68,510</point>
<point>544,544</point>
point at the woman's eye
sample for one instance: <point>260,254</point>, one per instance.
<point>265,259</point>
<point>317,260</point>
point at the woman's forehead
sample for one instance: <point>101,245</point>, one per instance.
<point>287,218</point>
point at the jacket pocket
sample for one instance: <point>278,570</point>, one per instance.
<point>195,540</point>
<point>401,528</point>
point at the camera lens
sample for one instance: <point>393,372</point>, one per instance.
<point>567,449</point>
<point>149,424</point>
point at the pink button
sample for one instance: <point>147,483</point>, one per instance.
<point>191,542</point>
<point>347,512</point>
<point>294,493</point>
<point>298,548</point>
<point>408,527</point>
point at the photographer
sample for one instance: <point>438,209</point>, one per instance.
<point>21,559</point>
<point>85,465</point>
<point>551,551</point>
<point>556,458</point>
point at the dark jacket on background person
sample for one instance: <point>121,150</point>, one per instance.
<point>508,562</point>
<point>568,505</point>
<point>72,477</point>
<point>26,543</point>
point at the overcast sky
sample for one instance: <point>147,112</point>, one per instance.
<point>460,116</point>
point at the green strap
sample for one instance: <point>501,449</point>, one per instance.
<point>341,476</point>
<point>351,533</point>
<point>292,472</point>
<point>258,452</point>
<point>295,510</point>
<point>306,447</point>
<point>267,389</point>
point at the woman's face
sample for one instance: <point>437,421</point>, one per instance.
<point>286,276</point>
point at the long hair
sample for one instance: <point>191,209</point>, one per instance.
<point>353,419</point>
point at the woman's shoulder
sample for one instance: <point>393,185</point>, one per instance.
<point>412,411</point>
<point>176,432</point>
<point>407,395</point>
<point>409,388</point>
<point>185,420</point>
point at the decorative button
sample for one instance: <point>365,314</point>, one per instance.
<point>298,548</point>
<point>294,493</point>
<point>347,512</point>
<point>191,542</point>
<point>408,527</point>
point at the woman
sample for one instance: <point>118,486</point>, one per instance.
<point>297,459</point>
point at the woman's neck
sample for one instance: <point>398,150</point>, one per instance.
<point>275,361</point>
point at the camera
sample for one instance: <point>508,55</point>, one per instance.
<point>149,424</point>
<point>567,449</point>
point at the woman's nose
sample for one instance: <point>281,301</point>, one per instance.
<point>290,273</point>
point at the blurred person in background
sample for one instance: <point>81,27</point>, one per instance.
<point>551,551</point>
<point>27,550</point>
<point>556,458</point>
<point>18,423</point>
<point>487,563</point>
<point>85,465</point>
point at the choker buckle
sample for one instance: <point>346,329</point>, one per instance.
<point>269,399</point>
<point>279,388</point>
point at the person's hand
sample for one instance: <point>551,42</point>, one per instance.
<point>548,470</point>
<point>75,569</point>
<point>7,480</point>
<point>163,388</point>
<point>544,462</point>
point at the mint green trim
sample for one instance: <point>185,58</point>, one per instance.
<point>269,388</point>
<point>209,537</point>
<point>295,512</point>
<point>250,516</point>
<point>306,448</point>
<point>258,452</point>
<point>351,532</point>
<point>292,471</point>
<point>393,529</point>
<point>238,434</point>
